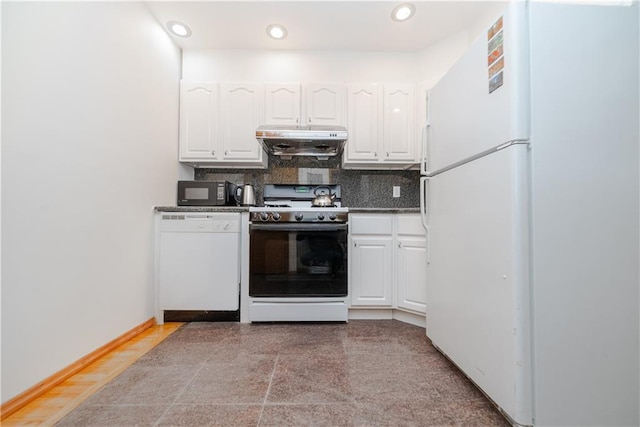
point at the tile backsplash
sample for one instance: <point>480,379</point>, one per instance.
<point>360,188</point>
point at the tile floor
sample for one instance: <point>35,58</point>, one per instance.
<point>362,373</point>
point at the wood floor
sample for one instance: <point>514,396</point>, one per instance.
<point>58,402</point>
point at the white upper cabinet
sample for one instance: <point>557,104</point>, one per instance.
<point>282,104</point>
<point>198,121</point>
<point>218,121</point>
<point>218,124</point>
<point>325,104</point>
<point>400,122</point>
<point>364,121</point>
<point>382,127</point>
<point>306,104</point>
<point>241,112</point>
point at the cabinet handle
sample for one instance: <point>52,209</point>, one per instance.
<point>213,152</point>
<point>375,154</point>
<point>355,245</point>
<point>387,154</point>
<point>297,120</point>
<point>225,152</point>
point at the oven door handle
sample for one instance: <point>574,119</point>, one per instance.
<point>298,227</point>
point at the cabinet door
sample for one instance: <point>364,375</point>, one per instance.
<point>399,123</point>
<point>364,122</point>
<point>370,273</point>
<point>411,273</point>
<point>282,104</point>
<point>241,108</point>
<point>325,104</point>
<point>199,121</point>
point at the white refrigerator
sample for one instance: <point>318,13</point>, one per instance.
<point>529,196</point>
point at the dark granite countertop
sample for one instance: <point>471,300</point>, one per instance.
<point>384,210</point>
<point>201,208</point>
<point>246,209</point>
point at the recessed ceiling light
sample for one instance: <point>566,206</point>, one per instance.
<point>179,29</point>
<point>402,12</point>
<point>276,31</point>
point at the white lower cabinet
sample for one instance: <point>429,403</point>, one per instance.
<point>371,260</point>
<point>387,262</point>
<point>371,271</point>
<point>411,263</point>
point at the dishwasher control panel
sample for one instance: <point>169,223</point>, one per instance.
<point>203,223</point>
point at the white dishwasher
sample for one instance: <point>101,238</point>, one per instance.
<point>198,261</point>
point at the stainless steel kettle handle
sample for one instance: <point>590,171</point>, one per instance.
<point>315,192</point>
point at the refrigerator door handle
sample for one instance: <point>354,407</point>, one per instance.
<point>424,181</point>
<point>510,143</point>
<point>424,149</point>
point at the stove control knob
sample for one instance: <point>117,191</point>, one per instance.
<point>276,216</point>
<point>332,216</point>
<point>298,216</point>
<point>320,216</point>
<point>264,216</point>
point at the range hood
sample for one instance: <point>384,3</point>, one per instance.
<point>316,141</point>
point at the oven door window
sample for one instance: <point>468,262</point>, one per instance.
<point>289,263</point>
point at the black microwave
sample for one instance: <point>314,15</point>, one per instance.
<point>206,193</point>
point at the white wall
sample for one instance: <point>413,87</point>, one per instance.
<point>0,208</point>
<point>298,66</point>
<point>89,146</point>
<point>425,67</point>
<point>435,60</point>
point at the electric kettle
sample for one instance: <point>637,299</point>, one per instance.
<point>245,195</point>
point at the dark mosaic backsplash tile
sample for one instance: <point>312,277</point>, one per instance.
<point>360,188</point>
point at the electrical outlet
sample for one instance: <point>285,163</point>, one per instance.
<point>396,191</point>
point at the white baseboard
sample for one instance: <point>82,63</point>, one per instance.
<point>415,319</point>
<point>370,313</point>
<point>410,318</point>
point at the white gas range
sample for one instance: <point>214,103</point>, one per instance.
<point>298,255</point>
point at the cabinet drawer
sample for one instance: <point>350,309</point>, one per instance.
<point>410,224</point>
<point>370,224</point>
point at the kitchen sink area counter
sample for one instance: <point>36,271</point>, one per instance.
<point>246,209</point>
<point>385,210</point>
<point>224,209</point>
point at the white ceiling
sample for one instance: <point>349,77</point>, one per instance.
<point>319,25</point>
